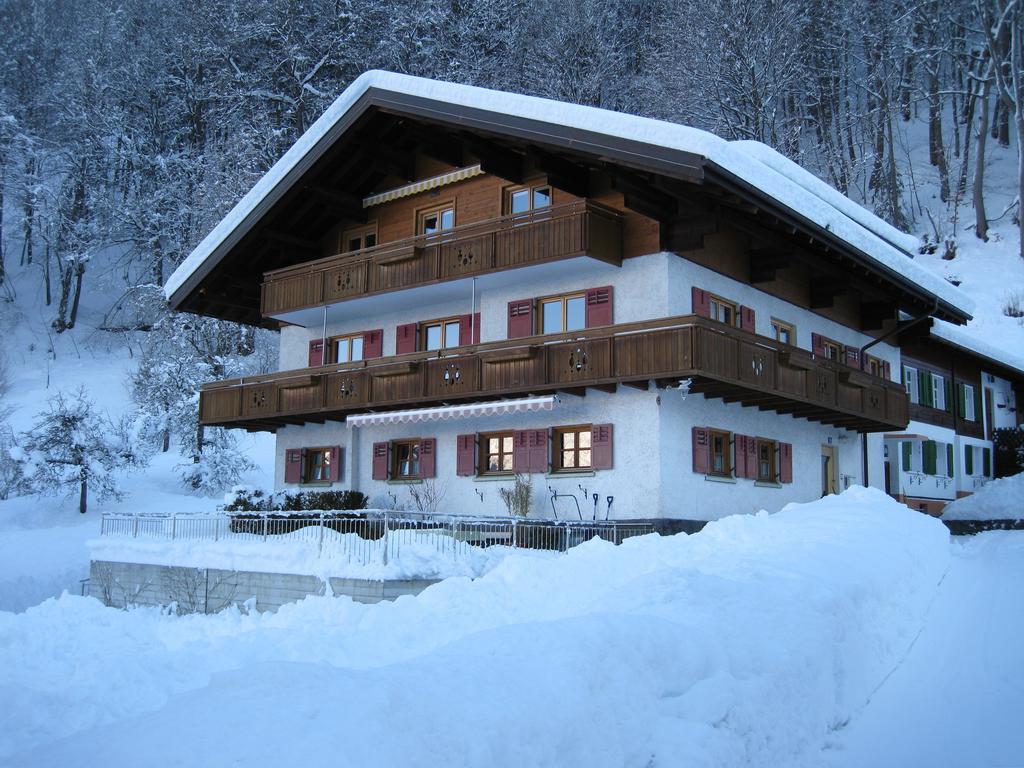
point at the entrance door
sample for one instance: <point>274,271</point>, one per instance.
<point>828,470</point>
<point>988,414</point>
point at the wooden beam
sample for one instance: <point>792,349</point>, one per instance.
<point>642,385</point>
<point>824,291</point>
<point>562,173</point>
<point>286,238</point>
<point>574,391</point>
<point>436,143</point>
<point>497,160</point>
<point>610,388</point>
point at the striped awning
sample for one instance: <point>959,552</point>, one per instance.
<point>422,186</point>
<point>443,413</point>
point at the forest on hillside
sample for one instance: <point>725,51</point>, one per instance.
<point>129,127</point>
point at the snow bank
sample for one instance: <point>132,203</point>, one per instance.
<point>1001,499</point>
<point>743,644</point>
<point>417,554</point>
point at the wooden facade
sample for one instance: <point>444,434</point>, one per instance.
<point>957,368</point>
<point>720,362</point>
<point>581,228</point>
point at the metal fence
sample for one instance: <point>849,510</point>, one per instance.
<point>371,537</point>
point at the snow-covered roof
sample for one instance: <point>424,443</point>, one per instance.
<point>966,339</point>
<point>754,164</point>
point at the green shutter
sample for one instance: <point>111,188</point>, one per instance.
<point>908,453</point>
<point>977,404</point>
<point>924,379</point>
<point>986,461</point>
<point>929,456</point>
<point>968,460</point>
<point>961,394</point>
<point>949,459</point>
<point>949,394</point>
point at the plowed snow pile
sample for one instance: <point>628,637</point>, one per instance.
<point>745,643</point>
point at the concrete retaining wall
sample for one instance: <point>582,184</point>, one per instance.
<point>208,590</point>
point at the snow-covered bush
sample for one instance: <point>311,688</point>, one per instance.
<point>246,500</point>
<point>73,447</point>
<point>519,498</point>
<point>12,474</point>
<point>1008,443</point>
<point>220,465</point>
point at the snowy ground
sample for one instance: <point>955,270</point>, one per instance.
<point>955,701</point>
<point>747,644</point>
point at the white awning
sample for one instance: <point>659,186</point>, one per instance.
<point>422,186</point>
<point>446,412</point>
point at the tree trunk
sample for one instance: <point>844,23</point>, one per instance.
<point>79,272</point>
<point>980,218</point>
<point>83,496</point>
<point>46,277</point>
<point>166,442</point>
<point>936,149</point>
<point>28,213</point>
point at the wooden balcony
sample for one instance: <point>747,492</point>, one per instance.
<point>581,228</point>
<point>720,361</point>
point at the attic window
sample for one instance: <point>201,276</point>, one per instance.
<point>422,186</point>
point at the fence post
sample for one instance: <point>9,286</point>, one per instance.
<point>264,527</point>
<point>385,538</point>
<point>514,537</point>
<point>216,528</point>
<point>135,526</point>
<point>320,543</point>
<point>451,527</point>
<point>174,527</point>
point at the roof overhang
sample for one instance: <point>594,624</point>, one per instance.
<point>642,144</point>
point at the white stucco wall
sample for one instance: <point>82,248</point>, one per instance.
<point>915,482</point>
<point>1002,395</point>
<point>693,496</point>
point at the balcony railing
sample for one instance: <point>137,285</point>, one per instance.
<point>720,361</point>
<point>581,228</point>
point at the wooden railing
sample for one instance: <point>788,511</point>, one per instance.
<point>581,228</point>
<point>722,362</point>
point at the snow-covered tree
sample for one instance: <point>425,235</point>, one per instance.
<point>73,447</point>
<point>219,467</point>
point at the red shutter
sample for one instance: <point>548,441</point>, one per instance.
<point>293,465</point>
<point>373,344</point>
<point>751,458</point>
<point>700,450</point>
<point>538,445</point>
<point>747,319</point>
<point>520,318</point>
<point>886,370</point>
<point>818,344</point>
<point>316,353</point>
<point>785,463</point>
<point>701,302</point>
<point>520,451</point>
<point>334,470</point>
<point>852,357</point>
<point>601,446</point>
<point>380,461</point>
<point>405,338</point>
<point>428,451</point>
<point>465,455</point>
<point>599,306</point>
<point>469,324</point>
<point>739,452</point>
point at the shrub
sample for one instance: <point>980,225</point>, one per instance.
<point>1014,305</point>
<point>295,501</point>
<point>1009,451</point>
<point>519,498</point>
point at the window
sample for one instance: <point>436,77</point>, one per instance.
<point>722,310</point>
<point>969,412</point>
<point>832,350</point>
<point>563,313</point>
<point>495,453</point>
<point>357,239</point>
<point>405,459</point>
<point>436,220</point>
<point>527,199</point>
<point>721,460</point>
<point>318,466</point>
<point>783,332</point>
<point>440,334</point>
<point>347,349</point>
<point>910,382</point>
<point>875,366</point>
<point>969,459</point>
<point>938,392</point>
<point>765,461</point>
<point>572,448</point>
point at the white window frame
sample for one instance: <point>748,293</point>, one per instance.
<point>938,391</point>
<point>969,413</point>
<point>910,382</point>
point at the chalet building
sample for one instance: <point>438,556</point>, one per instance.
<point>960,391</point>
<point>645,319</point>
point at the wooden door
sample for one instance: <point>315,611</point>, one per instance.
<point>828,470</point>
